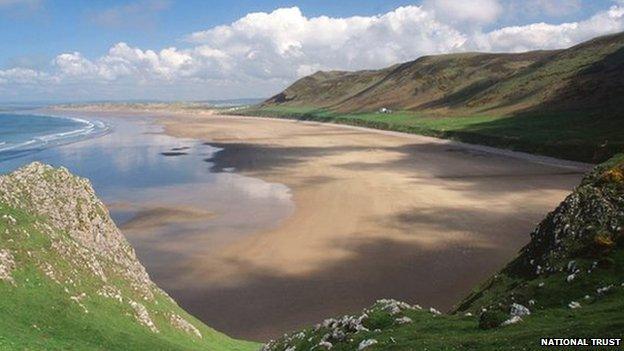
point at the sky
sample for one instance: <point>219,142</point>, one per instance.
<point>61,51</point>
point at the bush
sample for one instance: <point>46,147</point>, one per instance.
<point>614,175</point>
<point>491,319</point>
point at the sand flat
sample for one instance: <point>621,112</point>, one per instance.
<point>377,215</point>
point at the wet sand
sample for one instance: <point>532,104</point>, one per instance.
<point>376,215</point>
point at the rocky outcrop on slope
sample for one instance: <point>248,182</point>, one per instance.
<point>588,223</point>
<point>572,256</point>
<point>574,262</point>
<point>80,232</point>
<point>69,204</point>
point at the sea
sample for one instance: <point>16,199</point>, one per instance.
<point>22,133</point>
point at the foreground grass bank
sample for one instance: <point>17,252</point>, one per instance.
<point>70,281</point>
<point>577,137</point>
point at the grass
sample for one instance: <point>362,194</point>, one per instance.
<point>572,136</point>
<point>39,314</point>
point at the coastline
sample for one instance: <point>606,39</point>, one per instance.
<point>167,110</point>
<point>371,208</point>
<point>85,129</point>
<point>534,158</point>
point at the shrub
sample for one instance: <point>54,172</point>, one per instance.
<point>491,319</point>
<point>614,175</point>
<point>603,241</point>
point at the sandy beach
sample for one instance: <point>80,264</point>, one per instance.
<point>311,175</point>
<point>376,215</point>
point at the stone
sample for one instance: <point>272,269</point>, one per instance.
<point>519,310</point>
<point>184,325</point>
<point>73,207</point>
<point>366,343</point>
<point>325,344</point>
<point>403,320</point>
<point>142,315</point>
<point>7,265</point>
<point>574,305</point>
<point>604,289</point>
<point>512,320</point>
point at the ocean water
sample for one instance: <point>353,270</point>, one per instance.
<point>22,134</point>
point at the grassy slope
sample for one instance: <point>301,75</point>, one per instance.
<point>558,103</point>
<point>38,312</point>
<point>587,229</point>
<point>570,136</point>
<point>424,83</point>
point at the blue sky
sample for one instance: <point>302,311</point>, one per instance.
<point>87,50</point>
<point>52,27</point>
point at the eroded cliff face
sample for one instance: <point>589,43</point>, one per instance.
<point>588,224</point>
<point>59,244</point>
<point>574,255</point>
<point>69,204</point>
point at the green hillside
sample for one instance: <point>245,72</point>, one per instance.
<point>562,103</point>
<point>423,83</point>
<point>70,281</point>
<point>567,282</point>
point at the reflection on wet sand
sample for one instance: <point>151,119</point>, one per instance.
<point>157,216</point>
<point>175,229</point>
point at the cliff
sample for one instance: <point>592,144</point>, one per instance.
<point>70,280</point>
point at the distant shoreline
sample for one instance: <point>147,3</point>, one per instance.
<point>134,108</point>
<point>183,110</point>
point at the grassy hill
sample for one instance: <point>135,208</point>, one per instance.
<point>420,84</point>
<point>567,282</point>
<point>562,103</point>
<point>70,281</point>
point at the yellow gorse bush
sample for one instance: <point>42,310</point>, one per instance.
<point>614,175</point>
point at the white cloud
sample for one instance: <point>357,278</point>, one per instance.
<point>549,36</point>
<point>73,64</point>
<point>24,76</point>
<point>284,41</point>
<point>125,61</point>
<point>261,52</point>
